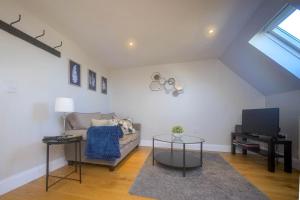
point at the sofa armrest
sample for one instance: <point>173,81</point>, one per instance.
<point>137,126</point>
<point>80,132</point>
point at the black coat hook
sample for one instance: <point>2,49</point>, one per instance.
<point>41,35</point>
<point>58,45</point>
<point>18,20</point>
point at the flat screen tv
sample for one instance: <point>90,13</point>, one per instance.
<point>261,121</point>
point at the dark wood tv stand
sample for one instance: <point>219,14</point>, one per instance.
<point>240,140</point>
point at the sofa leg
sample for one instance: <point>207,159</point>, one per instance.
<point>111,168</point>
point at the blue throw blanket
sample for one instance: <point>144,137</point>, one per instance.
<point>103,142</point>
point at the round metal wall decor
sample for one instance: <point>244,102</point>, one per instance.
<point>156,76</point>
<point>155,86</point>
<point>162,81</point>
<point>171,81</point>
<point>169,85</point>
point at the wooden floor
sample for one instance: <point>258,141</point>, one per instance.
<point>279,185</point>
<point>100,183</point>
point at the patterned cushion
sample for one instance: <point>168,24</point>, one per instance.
<point>126,126</point>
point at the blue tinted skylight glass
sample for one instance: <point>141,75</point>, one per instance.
<point>292,24</point>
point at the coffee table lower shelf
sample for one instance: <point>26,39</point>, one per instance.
<point>175,159</point>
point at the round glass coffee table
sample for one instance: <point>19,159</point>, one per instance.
<point>177,158</point>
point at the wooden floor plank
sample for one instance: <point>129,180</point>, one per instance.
<point>100,183</point>
<point>278,186</point>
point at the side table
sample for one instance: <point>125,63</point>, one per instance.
<point>58,140</point>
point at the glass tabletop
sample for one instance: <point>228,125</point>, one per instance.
<point>184,139</point>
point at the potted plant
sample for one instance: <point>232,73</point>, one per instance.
<point>177,131</point>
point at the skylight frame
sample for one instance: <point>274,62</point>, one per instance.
<point>285,39</point>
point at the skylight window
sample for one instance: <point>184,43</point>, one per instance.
<point>291,25</point>
<point>280,39</point>
<point>286,27</point>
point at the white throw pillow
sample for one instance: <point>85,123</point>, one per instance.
<point>103,122</point>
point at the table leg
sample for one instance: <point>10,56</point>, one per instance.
<point>75,144</point>
<point>171,148</point>
<point>244,150</point>
<point>183,172</point>
<point>271,156</point>
<point>201,153</point>
<point>79,143</point>
<point>233,137</point>
<point>288,157</point>
<point>152,151</point>
<point>47,167</point>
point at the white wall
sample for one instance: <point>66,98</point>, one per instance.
<point>39,77</point>
<point>210,106</point>
<point>289,104</point>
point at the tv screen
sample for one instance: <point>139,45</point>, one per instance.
<point>261,121</point>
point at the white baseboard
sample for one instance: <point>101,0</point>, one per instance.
<point>24,177</point>
<point>206,147</point>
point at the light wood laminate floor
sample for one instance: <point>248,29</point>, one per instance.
<point>100,183</point>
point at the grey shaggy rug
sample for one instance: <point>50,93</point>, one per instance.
<point>216,180</point>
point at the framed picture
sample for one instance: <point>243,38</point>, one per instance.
<point>74,73</point>
<point>92,81</point>
<point>103,85</point>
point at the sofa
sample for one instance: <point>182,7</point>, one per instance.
<point>78,123</point>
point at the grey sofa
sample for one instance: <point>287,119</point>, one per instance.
<point>78,123</point>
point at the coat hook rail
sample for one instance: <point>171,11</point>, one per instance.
<point>28,38</point>
<point>41,35</point>
<point>58,45</point>
<point>18,20</point>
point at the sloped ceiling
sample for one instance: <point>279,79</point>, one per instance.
<point>252,65</point>
<point>168,31</point>
<point>165,31</point>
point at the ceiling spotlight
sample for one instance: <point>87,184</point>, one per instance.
<point>211,31</point>
<point>131,44</point>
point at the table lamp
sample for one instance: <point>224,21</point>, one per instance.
<point>64,105</point>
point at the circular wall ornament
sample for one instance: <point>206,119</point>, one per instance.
<point>162,81</point>
<point>171,81</point>
<point>156,76</point>
<point>155,86</point>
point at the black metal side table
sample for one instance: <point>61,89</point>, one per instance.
<point>57,140</point>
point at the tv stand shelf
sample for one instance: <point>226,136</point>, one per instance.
<point>240,140</point>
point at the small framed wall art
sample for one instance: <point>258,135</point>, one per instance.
<point>92,80</point>
<point>74,73</point>
<point>103,85</point>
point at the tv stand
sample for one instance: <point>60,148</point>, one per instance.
<point>240,140</point>
<point>253,134</point>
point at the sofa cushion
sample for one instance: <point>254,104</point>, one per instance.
<point>127,139</point>
<point>108,116</point>
<point>103,122</point>
<point>126,125</point>
<point>82,120</point>
<point>123,141</point>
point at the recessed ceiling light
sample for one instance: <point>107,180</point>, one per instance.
<point>131,43</point>
<point>211,31</point>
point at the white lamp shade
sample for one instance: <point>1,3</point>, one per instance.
<point>63,104</point>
